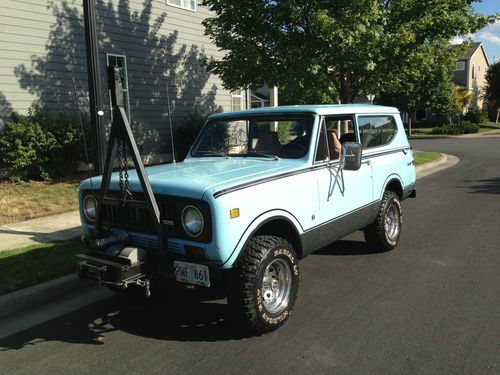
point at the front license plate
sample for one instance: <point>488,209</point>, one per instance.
<point>191,273</point>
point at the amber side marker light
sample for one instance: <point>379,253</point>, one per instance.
<point>194,251</point>
<point>234,213</point>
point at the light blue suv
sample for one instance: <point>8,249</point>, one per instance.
<point>259,190</point>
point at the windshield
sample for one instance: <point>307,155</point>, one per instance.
<point>263,136</point>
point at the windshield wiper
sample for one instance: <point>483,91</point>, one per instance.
<point>256,153</point>
<point>213,153</point>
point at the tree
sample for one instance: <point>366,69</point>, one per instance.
<point>330,50</point>
<point>425,76</point>
<point>492,92</point>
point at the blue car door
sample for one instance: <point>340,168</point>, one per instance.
<point>344,196</point>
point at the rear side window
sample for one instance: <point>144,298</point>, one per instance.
<point>376,131</point>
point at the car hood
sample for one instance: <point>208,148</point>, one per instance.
<point>193,178</point>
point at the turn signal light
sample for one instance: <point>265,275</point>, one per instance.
<point>234,213</point>
<point>194,251</point>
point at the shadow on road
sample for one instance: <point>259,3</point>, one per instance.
<point>348,247</point>
<point>488,186</point>
<point>183,315</point>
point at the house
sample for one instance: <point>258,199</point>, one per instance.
<point>159,46</point>
<point>470,73</point>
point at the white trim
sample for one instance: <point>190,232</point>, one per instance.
<point>181,7</point>
<point>241,101</point>
<point>457,69</point>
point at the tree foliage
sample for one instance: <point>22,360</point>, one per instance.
<point>330,50</point>
<point>492,92</point>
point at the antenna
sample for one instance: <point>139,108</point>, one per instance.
<point>78,113</point>
<point>170,122</point>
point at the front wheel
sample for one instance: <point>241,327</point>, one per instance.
<point>263,286</point>
<point>385,231</point>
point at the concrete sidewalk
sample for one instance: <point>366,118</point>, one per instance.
<point>45,229</point>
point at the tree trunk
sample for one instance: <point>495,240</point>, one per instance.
<point>498,115</point>
<point>409,124</point>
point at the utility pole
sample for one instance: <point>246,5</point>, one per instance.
<point>95,99</point>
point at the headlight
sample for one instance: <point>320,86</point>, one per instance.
<point>90,207</point>
<point>192,221</point>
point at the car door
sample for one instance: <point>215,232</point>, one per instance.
<point>343,195</point>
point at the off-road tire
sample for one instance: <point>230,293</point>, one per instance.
<point>246,285</point>
<point>383,234</point>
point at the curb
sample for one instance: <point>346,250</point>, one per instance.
<point>48,291</point>
<point>444,162</point>
<point>433,164</point>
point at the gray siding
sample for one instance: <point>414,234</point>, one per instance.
<point>42,49</point>
<point>460,76</point>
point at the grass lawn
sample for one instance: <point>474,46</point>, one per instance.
<point>29,200</point>
<point>422,157</point>
<point>31,265</point>
<point>488,126</point>
<point>427,132</point>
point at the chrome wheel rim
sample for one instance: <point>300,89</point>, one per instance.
<point>392,222</point>
<point>276,286</point>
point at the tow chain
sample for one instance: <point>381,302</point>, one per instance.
<point>123,172</point>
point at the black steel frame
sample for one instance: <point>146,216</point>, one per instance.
<point>120,130</point>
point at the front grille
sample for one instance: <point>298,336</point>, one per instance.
<point>134,217</point>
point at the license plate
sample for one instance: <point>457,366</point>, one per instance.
<point>191,273</point>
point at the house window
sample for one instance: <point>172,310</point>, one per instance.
<point>120,62</point>
<point>473,72</point>
<point>236,101</point>
<point>460,65</point>
<point>184,4</point>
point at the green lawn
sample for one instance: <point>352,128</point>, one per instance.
<point>427,132</point>
<point>488,126</point>
<point>422,157</point>
<point>32,265</point>
<point>29,200</point>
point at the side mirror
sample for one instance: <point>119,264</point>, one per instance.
<point>351,156</point>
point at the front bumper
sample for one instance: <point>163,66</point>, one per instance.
<point>120,272</point>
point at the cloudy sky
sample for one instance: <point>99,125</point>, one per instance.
<point>490,35</point>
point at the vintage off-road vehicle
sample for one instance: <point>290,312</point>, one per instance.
<point>259,190</point>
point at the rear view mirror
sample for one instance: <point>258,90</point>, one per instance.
<point>351,156</point>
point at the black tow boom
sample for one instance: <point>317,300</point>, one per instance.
<point>99,265</point>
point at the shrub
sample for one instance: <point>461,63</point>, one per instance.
<point>186,134</point>
<point>476,116</point>
<point>26,148</point>
<point>41,145</point>
<point>464,127</point>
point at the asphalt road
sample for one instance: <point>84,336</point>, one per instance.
<point>430,306</point>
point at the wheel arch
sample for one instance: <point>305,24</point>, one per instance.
<point>394,184</point>
<point>277,224</point>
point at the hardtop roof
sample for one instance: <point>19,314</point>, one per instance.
<point>320,109</point>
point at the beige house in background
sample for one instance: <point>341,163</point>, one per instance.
<point>470,73</point>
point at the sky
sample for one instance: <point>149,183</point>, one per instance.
<point>490,35</point>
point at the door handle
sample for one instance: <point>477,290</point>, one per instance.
<point>367,162</point>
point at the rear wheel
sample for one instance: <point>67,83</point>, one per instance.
<point>263,286</point>
<point>385,231</point>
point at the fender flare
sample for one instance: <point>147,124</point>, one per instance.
<point>388,180</point>
<point>255,225</point>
